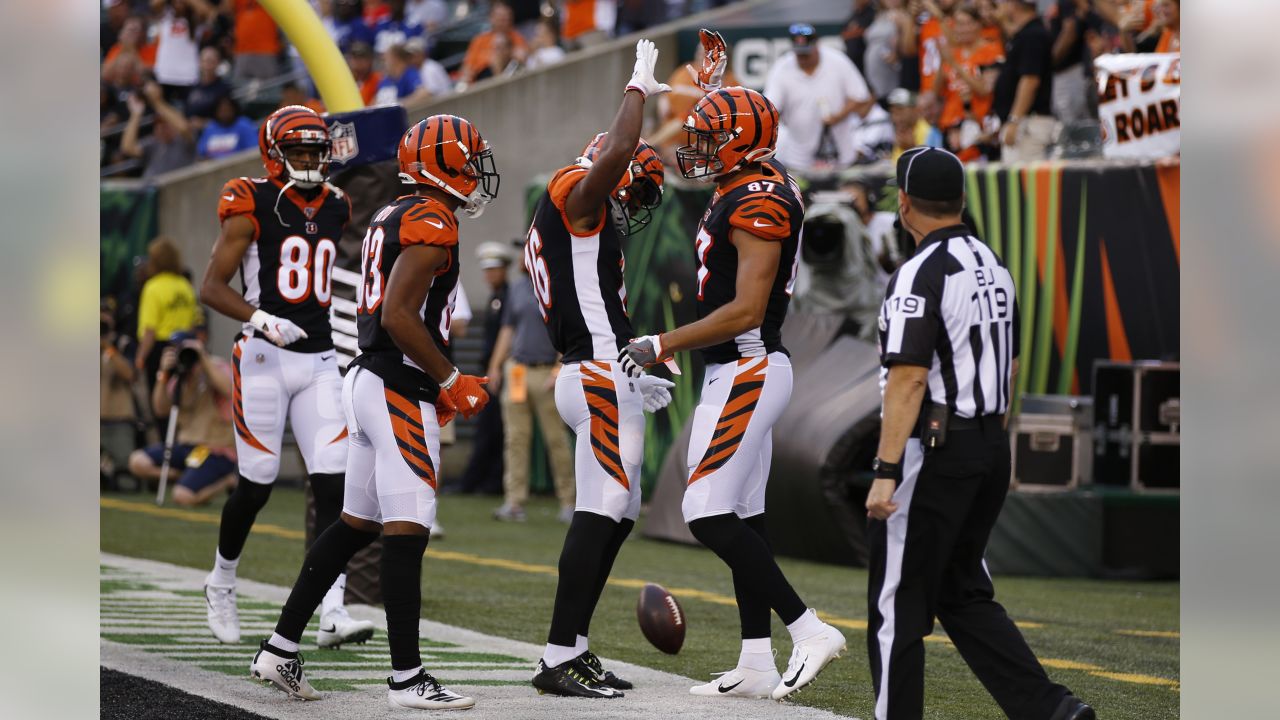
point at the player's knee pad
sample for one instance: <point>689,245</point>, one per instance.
<point>262,468</point>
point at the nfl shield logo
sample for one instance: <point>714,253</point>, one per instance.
<point>310,212</point>
<point>345,147</point>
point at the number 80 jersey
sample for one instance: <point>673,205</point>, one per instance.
<point>288,267</point>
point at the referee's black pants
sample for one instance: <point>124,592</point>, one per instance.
<point>926,561</point>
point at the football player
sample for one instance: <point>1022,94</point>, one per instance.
<point>279,233</point>
<point>747,246</point>
<point>574,257</point>
<point>397,395</point>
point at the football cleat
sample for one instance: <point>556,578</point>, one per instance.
<point>271,665</point>
<point>338,628</point>
<point>224,619</point>
<point>606,677</point>
<point>509,513</point>
<point>808,658</point>
<point>740,682</point>
<point>571,679</point>
<point>424,692</point>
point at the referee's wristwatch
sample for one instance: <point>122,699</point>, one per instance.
<point>887,470</point>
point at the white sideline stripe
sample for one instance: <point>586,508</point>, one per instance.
<point>658,694</point>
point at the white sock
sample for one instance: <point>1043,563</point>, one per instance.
<point>580,646</point>
<point>806,626</point>
<point>757,654</point>
<point>282,643</point>
<point>402,675</point>
<point>224,571</point>
<point>334,598</point>
<point>558,654</point>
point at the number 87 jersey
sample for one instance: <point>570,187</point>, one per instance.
<point>287,269</point>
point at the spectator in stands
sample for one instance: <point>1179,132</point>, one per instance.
<point>1165,34</point>
<point>257,41</point>
<point>936,23</point>
<point>873,138</point>
<point>965,81</point>
<point>502,61</point>
<point>177,51</point>
<point>674,107</point>
<point>131,43</point>
<point>167,305</point>
<point>434,77</point>
<point>375,11</point>
<point>929,111</point>
<point>228,132</point>
<point>402,82</point>
<point>360,60</point>
<point>485,468</point>
<point>293,93</point>
<point>116,12</point>
<point>545,49</point>
<point>430,15</point>
<point>890,32</point>
<point>855,31</point>
<point>523,369</point>
<point>204,458</point>
<point>395,29</point>
<point>586,22</point>
<point>171,144</point>
<point>1074,26</point>
<point>480,51</point>
<point>909,128</point>
<point>1024,87</point>
<point>821,97</point>
<point>349,28</point>
<point>203,99</point>
<point>118,418</point>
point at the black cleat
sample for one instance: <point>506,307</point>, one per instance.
<point>571,679</point>
<point>606,677</point>
<point>1072,708</point>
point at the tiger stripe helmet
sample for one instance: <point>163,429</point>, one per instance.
<point>639,189</point>
<point>294,126</point>
<point>447,152</point>
<point>728,129</point>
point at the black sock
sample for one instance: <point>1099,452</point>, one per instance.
<point>753,610</point>
<point>402,596</point>
<point>327,489</point>
<point>748,556</point>
<point>620,532</point>
<point>328,555</point>
<point>580,562</point>
<point>238,514</point>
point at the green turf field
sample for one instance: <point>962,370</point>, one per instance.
<point>1114,643</point>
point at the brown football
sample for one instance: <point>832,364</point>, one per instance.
<point>661,619</point>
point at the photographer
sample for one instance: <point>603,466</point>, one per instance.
<point>117,413</point>
<point>205,448</point>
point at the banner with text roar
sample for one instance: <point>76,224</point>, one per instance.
<point>1139,104</point>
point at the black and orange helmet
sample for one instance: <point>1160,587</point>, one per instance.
<point>294,126</point>
<point>727,129</point>
<point>447,152</point>
<point>639,189</point>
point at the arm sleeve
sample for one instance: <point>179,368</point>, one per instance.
<point>914,315</point>
<point>236,199</point>
<point>764,215</point>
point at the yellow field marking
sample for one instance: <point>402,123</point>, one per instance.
<point>634,584</point>
<point>1151,633</point>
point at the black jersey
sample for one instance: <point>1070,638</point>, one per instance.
<point>287,269</point>
<point>578,279</point>
<point>766,204</point>
<point>409,220</point>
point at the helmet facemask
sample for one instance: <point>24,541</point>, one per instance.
<point>700,158</point>
<point>305,178</point>
<point>480,169</point>
<point>632,206</point>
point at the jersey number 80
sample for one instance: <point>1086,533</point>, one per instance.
<point>302,274</point>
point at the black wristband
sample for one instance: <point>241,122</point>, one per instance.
<point>887,470</point>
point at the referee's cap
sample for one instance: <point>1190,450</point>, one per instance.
<point>930,173</point>
<point>492,255</point>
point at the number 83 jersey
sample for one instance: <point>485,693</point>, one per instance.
<point>288,267</point>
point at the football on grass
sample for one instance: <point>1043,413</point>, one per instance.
<point>661,619</point>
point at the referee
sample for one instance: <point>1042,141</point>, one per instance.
<point>949,344</point>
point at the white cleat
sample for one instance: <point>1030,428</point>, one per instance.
<point>437,531</point>
<point>808,658</point>
<point>424,692</point>
<point>740,682</point>
<point>338,628</point>
<point>224,620</point>
<point>283,672</point>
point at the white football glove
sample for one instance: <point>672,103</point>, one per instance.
<point>278,330</point>
<point>642,78</point>
<point>656,392</point>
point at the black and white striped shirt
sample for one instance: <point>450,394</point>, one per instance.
<point>953,309</point>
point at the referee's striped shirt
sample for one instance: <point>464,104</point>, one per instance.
<point>952,308</point>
